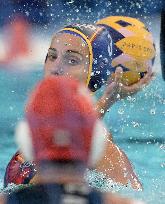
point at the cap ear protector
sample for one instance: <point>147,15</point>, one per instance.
<point>98,143</point>
<point>99,43</point>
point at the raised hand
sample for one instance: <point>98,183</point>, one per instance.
<point>115,90</point>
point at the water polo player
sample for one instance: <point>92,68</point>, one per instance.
<point>95,53</point>
<point>84,52</point>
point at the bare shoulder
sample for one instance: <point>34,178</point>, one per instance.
<point>113,198</point>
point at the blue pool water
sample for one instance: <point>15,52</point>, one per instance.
<point>137,124</point>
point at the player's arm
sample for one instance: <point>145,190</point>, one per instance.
<point>116,166</point>
<point>115,90</point>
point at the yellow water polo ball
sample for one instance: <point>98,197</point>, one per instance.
<point>133,47</point>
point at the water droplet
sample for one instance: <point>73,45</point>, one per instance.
<point>102,111</point>
<point>135,124</point>
<point>108,72</point>
<point>97,72</point>
<point>27,13</point>
<point>118,96</point>
<point>162,147</point>
<point>153,111</point>
<point>95,86</point>
<point>70,2</point>
<point>121,111</point>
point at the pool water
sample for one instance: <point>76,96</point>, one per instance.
<point>137,124</point>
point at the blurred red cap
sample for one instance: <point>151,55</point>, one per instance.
<point>61,120</point>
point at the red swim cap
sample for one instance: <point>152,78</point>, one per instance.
<point>61,120</point>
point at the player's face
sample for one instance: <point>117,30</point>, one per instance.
<point>68,55</point>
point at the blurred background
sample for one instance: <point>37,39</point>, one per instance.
<point>21,21</point>
<point>137,123</point>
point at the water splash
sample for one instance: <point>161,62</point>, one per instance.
<point>13,187</point>
<point>99,180</point>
